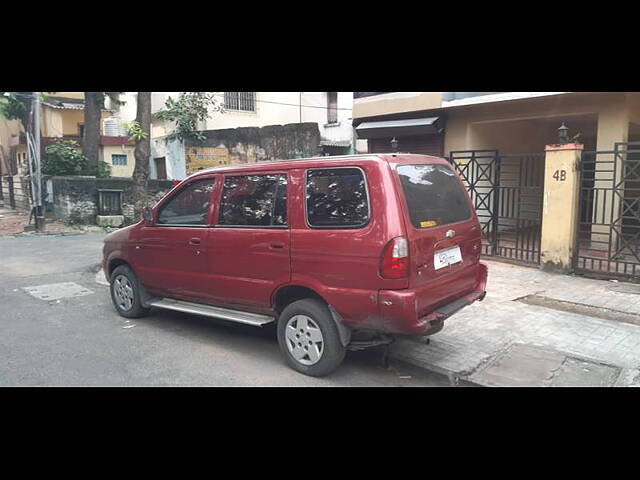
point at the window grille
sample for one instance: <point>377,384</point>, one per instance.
<point>118,159</point>
<point>110,202</point>
<point>240,101</point>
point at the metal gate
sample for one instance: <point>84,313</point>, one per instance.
<point>608,239</point>
<point>10,191</point>
<point>506,191</point>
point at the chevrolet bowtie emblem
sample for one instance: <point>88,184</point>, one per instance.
<point>450,234</point>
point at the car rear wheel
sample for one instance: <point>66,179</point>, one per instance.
<point>125,293</point>
<point>309,338</point>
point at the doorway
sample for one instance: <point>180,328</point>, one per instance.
<point>161,168</point>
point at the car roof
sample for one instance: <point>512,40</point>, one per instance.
<point>307,162</point>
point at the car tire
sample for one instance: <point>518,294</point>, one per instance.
<point>309,338</point>
<point>126,292</point>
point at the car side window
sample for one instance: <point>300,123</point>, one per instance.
<point>254,200</point>
<point>189,206</point>
<point>337,198</point>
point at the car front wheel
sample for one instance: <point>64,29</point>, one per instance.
<point>125,293</point>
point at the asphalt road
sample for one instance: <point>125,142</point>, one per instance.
<point>81,341</point>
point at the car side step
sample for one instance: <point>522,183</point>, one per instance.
<point>210,311</point>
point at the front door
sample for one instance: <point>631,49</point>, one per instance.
<point>248,248</point>
<point>169,255</point>
<point>161,168</point>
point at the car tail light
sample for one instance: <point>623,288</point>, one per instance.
<point>395,259</point>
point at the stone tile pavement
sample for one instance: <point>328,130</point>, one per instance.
<point>500,340</point>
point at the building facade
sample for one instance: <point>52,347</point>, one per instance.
<point>62,118</point>
<point>243,111</point>
<point>505,146</point>
<point>511,122</point>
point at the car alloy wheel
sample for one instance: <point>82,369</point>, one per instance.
<point>304,340</point>
<point>123,290</point>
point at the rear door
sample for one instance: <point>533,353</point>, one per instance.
<point>249,246</point>
<point>442,229</point>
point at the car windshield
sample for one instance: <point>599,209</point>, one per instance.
<point>434,195</point>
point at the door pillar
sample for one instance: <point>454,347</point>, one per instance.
<point>560,207</point>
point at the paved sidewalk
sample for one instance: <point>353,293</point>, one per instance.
<point>504,341</point>
<point>14,222</point>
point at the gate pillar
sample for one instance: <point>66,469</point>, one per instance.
<point>560,207</point>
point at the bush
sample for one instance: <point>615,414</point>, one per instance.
<point>104,170</point>
<point>63,158</point>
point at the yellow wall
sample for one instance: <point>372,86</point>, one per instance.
<point>59,122</point>
<point>117,170</point>
<point>7,129</point>
<point>395,102</point>
<point>51,122</point>
<point>481,126</point>
<point>560,206</point>
<point>198,158</point>
<point>70,121</point>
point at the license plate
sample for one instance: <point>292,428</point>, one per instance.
<point>446,257</point>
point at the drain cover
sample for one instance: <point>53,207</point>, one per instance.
<point>56,291</point>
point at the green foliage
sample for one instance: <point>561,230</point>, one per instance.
<point>104,170</point>
<point>187,111</point>
<point>14,106</point>
<point>63,158</point>
<point>135,131</point>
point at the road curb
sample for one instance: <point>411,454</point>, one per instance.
<point>455,376</point>
<point>100,278</point>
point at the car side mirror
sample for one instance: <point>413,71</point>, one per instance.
<point>147,215</point>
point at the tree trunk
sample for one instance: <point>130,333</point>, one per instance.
<point>91,141</point>
<point>142,153</point>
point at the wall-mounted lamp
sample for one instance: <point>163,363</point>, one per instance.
<point>563,134</point>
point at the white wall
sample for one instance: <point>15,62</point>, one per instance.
<point>272,108</point>
<point>338,132</point>
<point>174,153</point>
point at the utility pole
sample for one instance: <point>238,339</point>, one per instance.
<point>33,138</point>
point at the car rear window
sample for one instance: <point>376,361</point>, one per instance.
<point>337,198</point>
<point>434,195</point>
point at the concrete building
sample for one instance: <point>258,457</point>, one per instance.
<point>511,122</point>
<point>62,118</point>
<point>246,112</point>
<point>505,147</point>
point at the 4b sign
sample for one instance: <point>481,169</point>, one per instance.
<point>560,175</point>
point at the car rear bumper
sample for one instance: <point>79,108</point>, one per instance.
<point>399,308</point>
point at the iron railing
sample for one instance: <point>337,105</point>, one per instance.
<point>506,191</point>
<point>608,238</point>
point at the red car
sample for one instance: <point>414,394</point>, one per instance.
<point>330,248</point>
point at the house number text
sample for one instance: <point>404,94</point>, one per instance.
<point>560,175</point>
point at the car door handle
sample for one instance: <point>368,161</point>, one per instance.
<point>277,245</point>
<point>194,241</point>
